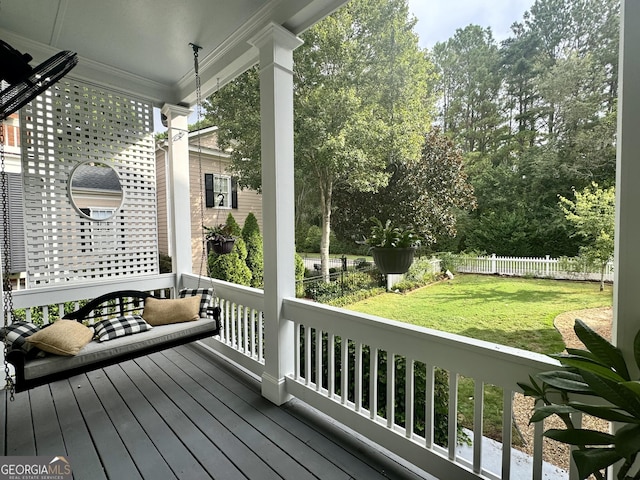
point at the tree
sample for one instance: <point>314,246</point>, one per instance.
<point>424,194</point>
<point>361,100</point>
<point>255,258</point>
<point>558,77</point>
<point>593,216</point>
<point>469,83</point>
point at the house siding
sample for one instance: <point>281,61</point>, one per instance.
<point>161,189</point>
<point>208,162</point>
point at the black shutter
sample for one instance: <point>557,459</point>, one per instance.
<point>208,190</point>
<point>17,252</point>
<point>234,192</point>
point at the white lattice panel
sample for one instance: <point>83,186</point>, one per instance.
<point>74,122</point>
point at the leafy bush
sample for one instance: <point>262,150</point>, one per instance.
<point>441,389</point>
<point>601,372</point>
<point>389,236</point>
<point>37,317</point>
<point>300,274</point>
<point>255,254</point>
<point>165,263</point>
<point>356,296</point>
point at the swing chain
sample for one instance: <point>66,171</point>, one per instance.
<point>7,296</point>
<point>203,257</point>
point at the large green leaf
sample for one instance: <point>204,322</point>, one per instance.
<point>540,413</point>
<point>633,386</point>
<point>564,380</point>
<point>628,440</point>
<point>529,391</point>
<point>607,353</point>
<point>604,412</point>
<point>592,460</point>
<point>586,364</point>
<point>583,353</point>
<point>579,436</point>
<point>614,392</point>
<point>532,390</point>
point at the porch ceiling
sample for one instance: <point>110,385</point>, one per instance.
<point>142,47</point>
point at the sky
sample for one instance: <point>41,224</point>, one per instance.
<point>439,19</point>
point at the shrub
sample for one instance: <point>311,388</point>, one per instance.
<point>441,389</point>
<point>356,296</point>
<point>255,255</point>
<point>164,263</point>
<point>300,274</point>
<point>233,226</point>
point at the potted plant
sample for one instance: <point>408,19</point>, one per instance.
<point>219,239</point>
<point>392,247</point>
<point>600,372</point>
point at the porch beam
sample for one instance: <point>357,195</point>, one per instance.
<point>178,195</point>
<point>627,254</point>
<point>276,45</point>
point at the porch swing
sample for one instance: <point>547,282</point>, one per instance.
<point>63,348</point>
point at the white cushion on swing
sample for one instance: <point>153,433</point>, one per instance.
<point>97,351</point>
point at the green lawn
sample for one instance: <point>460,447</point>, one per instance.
<point>518,312</point>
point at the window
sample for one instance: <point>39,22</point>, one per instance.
<point>97,235</point>
<point>221,191</point>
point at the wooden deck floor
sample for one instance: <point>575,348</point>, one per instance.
<point>182,414</point>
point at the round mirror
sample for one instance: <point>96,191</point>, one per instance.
<point>95,190</point>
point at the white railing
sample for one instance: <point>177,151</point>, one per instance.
<point>352,387</point>
<point>545,267</point>
<point>40,302</point>
<point>341,363</point>
<point>242,336</point>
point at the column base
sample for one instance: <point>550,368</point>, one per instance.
<point>274,389</point>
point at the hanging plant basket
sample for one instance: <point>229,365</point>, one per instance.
<point>221,245</point>
<point>393,260</point>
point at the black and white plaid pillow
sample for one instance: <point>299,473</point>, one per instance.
<point>17,332</point>
<point>205,300</point>
<point>119,327</point>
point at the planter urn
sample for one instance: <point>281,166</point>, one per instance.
<point>393,260</point>
<point>221,245</point>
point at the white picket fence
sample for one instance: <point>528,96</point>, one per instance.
<point>542,267</point>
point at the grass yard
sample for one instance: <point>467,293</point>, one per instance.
<point>518,312</point>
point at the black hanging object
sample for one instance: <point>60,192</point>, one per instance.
<point>26,82</point>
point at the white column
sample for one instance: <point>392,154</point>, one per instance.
<point>276,46</point>
<point>178,194</point>
<point>627,257</point>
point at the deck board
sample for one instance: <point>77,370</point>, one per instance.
<point>274,445</point>
<point>109,446</point>
<point>77,439</point>
<point>207,454</point>
<point>142,450</point>
<point>177,456</point>
<point>20,437</point>
<point>182,413</point>
<point>235,435</point>
<point>48,435</point>
<point>251,406</point>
